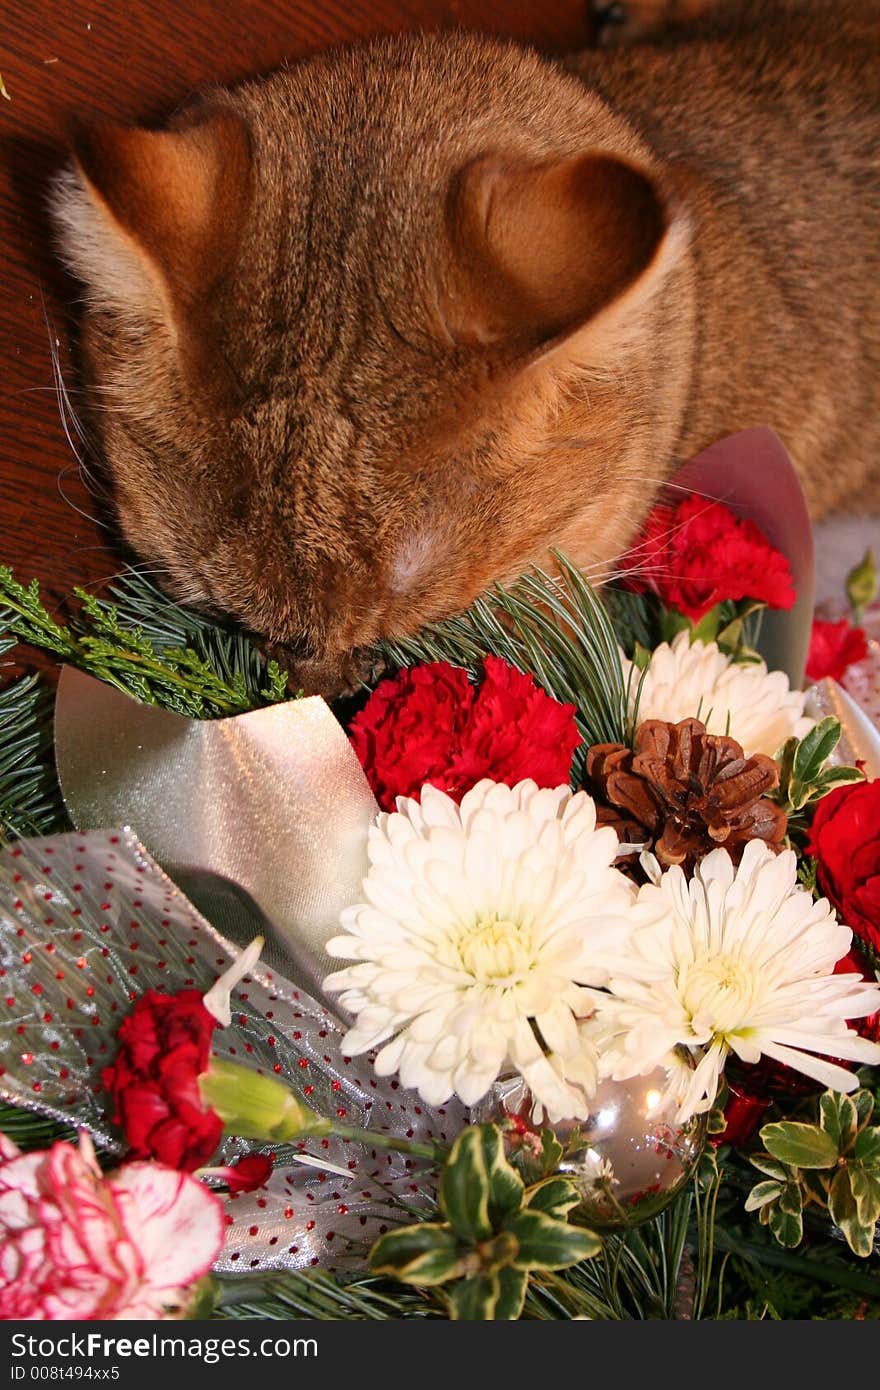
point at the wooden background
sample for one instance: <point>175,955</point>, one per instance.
<point>135,60</point>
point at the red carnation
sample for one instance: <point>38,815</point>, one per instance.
<point>696,554</point>
<point>833,648</point>
<point>845,839</point>
<point>429,724</point>
<point>164,1047</point>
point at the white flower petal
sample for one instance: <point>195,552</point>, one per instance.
<point>734,960</point>
<point>479,918</point>
<point>687,679</point>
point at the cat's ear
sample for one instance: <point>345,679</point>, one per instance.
<point>153,219</point>
<point>546,252</point>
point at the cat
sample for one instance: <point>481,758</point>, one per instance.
<point>375,331</point>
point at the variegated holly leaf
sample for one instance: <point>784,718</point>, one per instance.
<point>800,1145</point>
<point>426,1254</point>
<point>494,1232</point>
<point>779,1202</point>
<point>834,1164</point>
<point>489,1298</point>
<point>478,1187</point>
<point>804,774</point>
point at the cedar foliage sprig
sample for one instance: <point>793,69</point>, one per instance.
<point>149,648</point>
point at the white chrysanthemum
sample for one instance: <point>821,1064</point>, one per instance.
<point>734,960</point>
<point>688,679</point>
<point>481,920</point>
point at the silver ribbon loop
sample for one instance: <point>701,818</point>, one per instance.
<point>261,818</point>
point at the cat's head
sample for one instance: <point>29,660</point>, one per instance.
<point>357,337</point>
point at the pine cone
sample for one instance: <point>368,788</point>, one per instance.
<point>685,792</point>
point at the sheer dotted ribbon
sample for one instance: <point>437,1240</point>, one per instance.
<point>88,921</point>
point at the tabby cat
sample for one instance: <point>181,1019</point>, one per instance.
<point>378,329</point>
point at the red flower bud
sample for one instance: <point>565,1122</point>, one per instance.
<point>249,1173</point>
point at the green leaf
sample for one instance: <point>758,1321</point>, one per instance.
<point>730,637</point>
<point>865,1187</point>
<point>787,1227</point>
<point>548,1244</point>
<point>641,657</point>
<point>799,1145</point>
<point>485,1298</point>
<point>839,1119</point>
<point>512,1284</point>
<point>765,1164</point>
<point>845,1214</point>
<point>672,623</point>
<point>716,1120</point>
<point>464,1188</point>
<point>791,1198</point>
<point>426,1253</point>
<point>785,759</point>
<point>551,1151</point>
<point>506,1188</point>
<point>706,630</point>
<point>834,777</point>
<point>203,1300</point>
<point>864,1103</point>
<point>815,1183</point>
<point>478,1187</point>
<point>867,1147</point>
<point>815,748</point>
<point>554,1197</point>
<point>762,1193</point>
<point>861,585</point>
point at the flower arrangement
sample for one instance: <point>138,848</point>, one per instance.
<point>616,867</point>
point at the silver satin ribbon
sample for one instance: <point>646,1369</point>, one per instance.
<point>261,818</point>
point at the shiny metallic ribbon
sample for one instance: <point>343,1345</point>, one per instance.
<point>261,818</point>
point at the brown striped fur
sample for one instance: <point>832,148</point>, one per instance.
<point>379,329</point>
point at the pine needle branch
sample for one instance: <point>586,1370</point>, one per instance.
<point>29,1130</point>
<point>323,1297</point>
<point>30,800</point>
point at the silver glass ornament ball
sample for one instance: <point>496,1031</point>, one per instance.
<point>627,1160</point>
